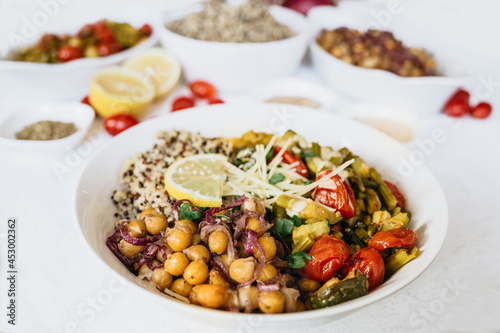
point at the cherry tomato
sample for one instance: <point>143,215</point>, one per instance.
<point>482,110</point>
<point>146,30</point>
<point>394,189</point>
<point>202,89</point>
<point>85,100</point>
<point>328,254</point>
<point>102,32</point>
<point>107,48</point>
<point>368,261</point>
<point>288,158</point>
<point>215,100</point>
<point>458,105</point>
<point>183,102</point>
<point>119,123</point>
<point>68,53</point>
<point>400,238</point>
<point>340,198</point>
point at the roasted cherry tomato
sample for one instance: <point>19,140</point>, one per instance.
<point>86,31</point>
<point>288,158</point>
<point>482,110</point>
<point>458,105</point>
<point>119,123</point>
<point>215,100</point>
<point>108,48</point>
<point>182,102</point>
<point>103,33</point>
<point>400,238</point>
<point>68,53</point>
<point>328,254</point>
<point>146,30</point>
<point>368,261</point>
<point>202,89</point>
<point>340,197</point>
<point>394,189</point>
<point>85,100</point>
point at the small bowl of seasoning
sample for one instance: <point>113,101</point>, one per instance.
<point>46,128</point>
<point>235,44</point>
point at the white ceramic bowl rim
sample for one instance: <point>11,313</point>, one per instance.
<point>301,29</point>
<point>342,308</point>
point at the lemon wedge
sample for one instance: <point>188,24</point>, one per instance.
<point>199,178</point>
<point>118,90</point>
<point>161,66</point>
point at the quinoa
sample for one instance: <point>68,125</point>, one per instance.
<point>142,175</point>
<point>220,22</point>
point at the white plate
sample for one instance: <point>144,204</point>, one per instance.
<point>94,210</point>
<point>80,114</point>
<point>71,79</point>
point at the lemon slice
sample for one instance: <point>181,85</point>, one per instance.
<point>162,66</point>
<point>118,90</point>
<point>199,178</point>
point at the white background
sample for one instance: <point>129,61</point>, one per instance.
<point>61,289</point>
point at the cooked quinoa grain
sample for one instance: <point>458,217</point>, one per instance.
<point>221,22</point>
<point>142,174</point>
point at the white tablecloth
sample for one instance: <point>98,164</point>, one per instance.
<point>62,289</point>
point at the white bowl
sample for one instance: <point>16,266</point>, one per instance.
<point>80,114</point>
<point>69,80</point>
<point>291,86</point>
<point>423,95</point>
<point>237,66</point>
<point>94,210</point>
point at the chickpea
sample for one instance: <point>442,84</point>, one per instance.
<point>181,287</point>
<point>148,211</point>
<point>226,260</point>
<point>300,306</point>
<point>217,242</point>
<point>212,295</point>
<point>137,229</point>
<point>129,250</point>
<point>308,285</point>
<point>269,246</point>
<point>198,253</point>
<point>176,263</point>
<point>254,224</point>
<point>155,224</point>
<point>161,278</point>
<point>193,295</point>
<point>271,302</point>
<point>196,239</point>
<point>267,273</point>
<point>215,278</point>
<point>241,270</point>
<point>196,272</point>
<point>248,298</point>
<point>187,225</point>
<point>178,239</point>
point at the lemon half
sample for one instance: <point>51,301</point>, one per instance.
<point>199,178</point>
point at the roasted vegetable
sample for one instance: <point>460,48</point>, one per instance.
<point>399,259</point>
<point>307,209</point>
<point>339,292</point>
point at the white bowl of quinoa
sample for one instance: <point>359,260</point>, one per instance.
<point>235,47</point>
<point>127,173</point>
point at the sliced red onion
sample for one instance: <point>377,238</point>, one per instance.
<point>112,246</point>
<point>223,271</point>
<point>239,224</point>
<point>151,267</point>
<point>209,216</point>
<point>136,241</point>
<point>268,287</point>
<point>209,228</point>
<point>262,262</point>
<point>249,240</point>
<point>262,220</point>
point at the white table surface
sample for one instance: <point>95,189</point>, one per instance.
<point>62,289</point>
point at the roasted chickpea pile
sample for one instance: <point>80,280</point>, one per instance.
<point>377,50</point>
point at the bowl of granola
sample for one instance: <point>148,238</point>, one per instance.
<point>235,47</point>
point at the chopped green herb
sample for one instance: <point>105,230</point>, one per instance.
<point>297,221</point>
<point>304,154</point>
<point>276,178</point>
<point>298,260</point>
<point>283,227</point>
<point>236,197</point>
<point>307,182</point>
<point>185,212</point>
<point>222,216</point>
<point>237,161</point>
<point>270,154</point>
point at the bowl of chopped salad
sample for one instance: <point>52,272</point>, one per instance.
<point>222,222</point>
<point>60,64</point>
